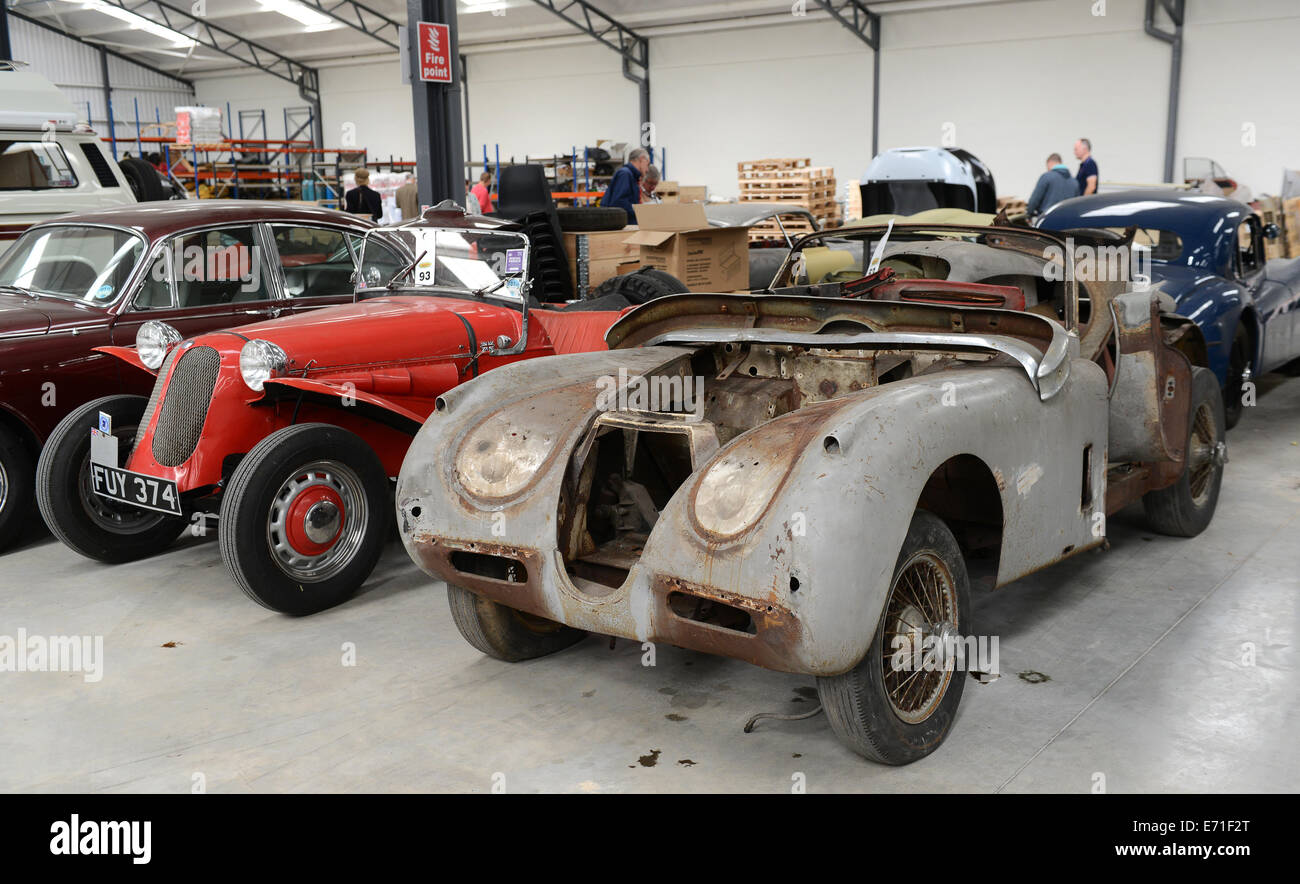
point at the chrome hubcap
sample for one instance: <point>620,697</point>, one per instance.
<point>322,522</point>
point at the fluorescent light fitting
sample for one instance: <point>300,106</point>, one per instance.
<point>472,6</point>
<point>137,22</point>
<point>304,15</point>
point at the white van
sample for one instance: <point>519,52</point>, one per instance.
<point>51,165</point>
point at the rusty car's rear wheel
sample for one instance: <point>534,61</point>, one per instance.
<point>897,705</point>
<point>1185,508</point>
<point>304,518</point>
<point>87,523</point>
<point>503,632</point>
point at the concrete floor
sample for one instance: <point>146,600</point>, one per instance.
<point>1142,646</point>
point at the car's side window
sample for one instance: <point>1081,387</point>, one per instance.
<point>215,267</point>
<point>315,261</point>
<point>1249,253</point>
<point>379,262</point>
<point>156,289</point>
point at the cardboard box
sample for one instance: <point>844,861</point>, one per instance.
<point>676,238</point>
<point>596,256</point>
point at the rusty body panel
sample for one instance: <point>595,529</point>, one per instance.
<point>832,528</point>
<point>766,525</point>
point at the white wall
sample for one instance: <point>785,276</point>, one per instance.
<point>1241,65</point>
<point>1011,82</point>
<point>798,90</point>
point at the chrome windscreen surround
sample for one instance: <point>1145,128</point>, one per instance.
<point>1029,358</point>
<point>185,405</point>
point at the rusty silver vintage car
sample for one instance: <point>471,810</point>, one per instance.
<point>812,480</point>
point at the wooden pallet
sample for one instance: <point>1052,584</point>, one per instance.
<point>804,173</point>
<point>771,165</point>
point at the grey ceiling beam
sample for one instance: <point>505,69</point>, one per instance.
<point>372,23</point>
<point>1175,10</point>
<point>855,16</point>
<point>634,48</point>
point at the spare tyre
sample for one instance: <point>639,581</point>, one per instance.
<point>144,180</point>
<point>578,219</point>
<point>642,285</point>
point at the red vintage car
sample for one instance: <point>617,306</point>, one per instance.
<point>293,430</point>
<point>75,284</point>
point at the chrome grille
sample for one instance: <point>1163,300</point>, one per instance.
<point>185,405</point>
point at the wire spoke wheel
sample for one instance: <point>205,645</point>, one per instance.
<point>920,625</point>
<point>897,704</point>
<point>1200,453</point>
<point>317,521</point>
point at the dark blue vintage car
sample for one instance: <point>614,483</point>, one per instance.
<point>1208,255</point>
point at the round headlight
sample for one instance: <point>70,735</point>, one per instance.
<point>260,361</point>
<point>497,459</point>
<point>153,341</point>
<point>738,486</point>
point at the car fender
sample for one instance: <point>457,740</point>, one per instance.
<point>129,355</point>
<point>838,522</point>
<point>345,396</point>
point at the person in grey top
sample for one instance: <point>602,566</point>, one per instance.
<point>1054,185</point>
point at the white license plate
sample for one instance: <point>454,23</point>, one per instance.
<point>146,492</point>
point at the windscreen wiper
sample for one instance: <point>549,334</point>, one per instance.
<point>407,269</point>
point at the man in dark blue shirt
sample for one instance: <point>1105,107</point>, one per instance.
<point>1087,177</point>
<point>624,190</point>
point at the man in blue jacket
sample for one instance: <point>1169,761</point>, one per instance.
<point>624,190</point>
<point>1054,185</point>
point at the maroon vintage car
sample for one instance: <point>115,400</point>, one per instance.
<point>84,281</point>
<point>291,430</point>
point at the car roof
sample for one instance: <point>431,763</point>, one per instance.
<point>745,214</point>
<point>1163,208</point>
<point>158,219</point>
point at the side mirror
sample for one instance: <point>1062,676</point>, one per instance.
<point>1272,231</point>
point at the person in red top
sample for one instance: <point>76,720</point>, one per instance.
<point>480,192</point>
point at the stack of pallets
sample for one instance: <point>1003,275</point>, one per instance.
<point>1291,226</point>
<point>793,181</point>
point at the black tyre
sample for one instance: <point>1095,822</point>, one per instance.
<point>144,180</point>
<point>886,708</point>
<point>1239,360</point>
<point>17,487</point>
<point>642,285</point>
<point>579,219</point>
<point>1185,508</point>
<point>304,518</point>
<point>763,265</point>
<point>94,526</point>
<point>505,633</point>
